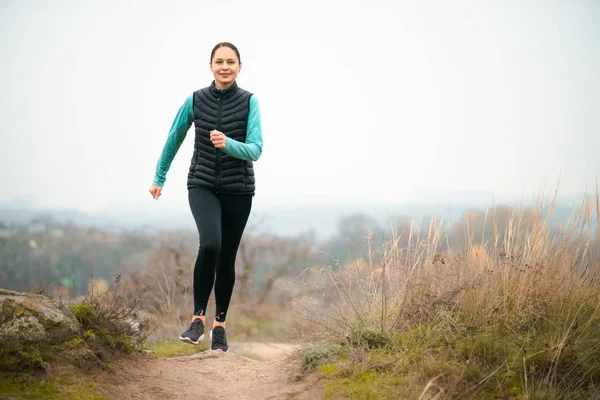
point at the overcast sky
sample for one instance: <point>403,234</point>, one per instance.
<point>376,100</point>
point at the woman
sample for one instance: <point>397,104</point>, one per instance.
<point>220,182</point>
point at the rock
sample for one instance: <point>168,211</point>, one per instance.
<point>33,318</point>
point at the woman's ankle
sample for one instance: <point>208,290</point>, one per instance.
<point>217,323</point>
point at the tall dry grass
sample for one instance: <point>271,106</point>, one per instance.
<point>514,315</point>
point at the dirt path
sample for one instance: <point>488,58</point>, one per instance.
<point>248,371</point>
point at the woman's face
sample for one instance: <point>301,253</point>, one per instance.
<point>225,67</point>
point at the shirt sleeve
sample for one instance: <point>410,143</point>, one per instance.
<point>251,150</point>
<point>179,128</point>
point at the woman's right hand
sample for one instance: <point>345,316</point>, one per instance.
<point>155,191</point>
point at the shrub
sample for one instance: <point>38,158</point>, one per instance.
<point>319,354</point>
<point>109,319</point>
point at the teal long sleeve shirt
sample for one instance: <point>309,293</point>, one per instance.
<point>249,150</point>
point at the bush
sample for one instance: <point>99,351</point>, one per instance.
<point>109,319</point>
<point>24,358</point>
<point>314,356</point>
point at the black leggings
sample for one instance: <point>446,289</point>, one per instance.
<point>221,220</point>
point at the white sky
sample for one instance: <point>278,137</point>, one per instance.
<point>374,100</point>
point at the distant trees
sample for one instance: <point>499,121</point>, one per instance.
<point>41,255</point>
<point>495,227</point>
<point>361,236</point>
<point>266,260</point>
<point>356,233</point>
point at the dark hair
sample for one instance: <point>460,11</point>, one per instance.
<point>225,44</point>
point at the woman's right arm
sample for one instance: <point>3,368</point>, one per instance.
<point>181,125</point>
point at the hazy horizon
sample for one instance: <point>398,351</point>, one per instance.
<point>385,103</point>
<point>320,220</point>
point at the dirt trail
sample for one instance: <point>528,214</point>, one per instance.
<point>248,371</point>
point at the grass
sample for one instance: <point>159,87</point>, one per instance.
<point>266,328</point>
<point>174,348</point>
<point>515,315</point>
<point>364,385</point>
<point>71,385</point>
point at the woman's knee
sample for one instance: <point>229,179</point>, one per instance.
<point>210,248</point>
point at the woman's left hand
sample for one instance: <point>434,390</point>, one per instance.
<point>218,139</point>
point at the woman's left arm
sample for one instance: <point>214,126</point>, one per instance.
<point>252,148</point>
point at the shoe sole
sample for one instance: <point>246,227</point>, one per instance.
<point>224,351</point>
<point>190,341</point>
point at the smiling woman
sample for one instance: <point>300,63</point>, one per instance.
<point>221,184</point>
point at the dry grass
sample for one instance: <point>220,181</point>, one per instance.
<point>513,315</point>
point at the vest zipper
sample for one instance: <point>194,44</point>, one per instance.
<point>218,171</point>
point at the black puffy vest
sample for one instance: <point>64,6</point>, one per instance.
<point>226,111</point>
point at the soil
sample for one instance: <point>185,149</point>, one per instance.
<point>247,371</point>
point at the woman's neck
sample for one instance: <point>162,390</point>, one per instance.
<point>221,87</point>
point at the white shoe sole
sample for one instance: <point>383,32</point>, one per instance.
<point>190,341</point>
<point>210,334</point>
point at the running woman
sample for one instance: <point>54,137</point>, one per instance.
<point>221,184</point>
